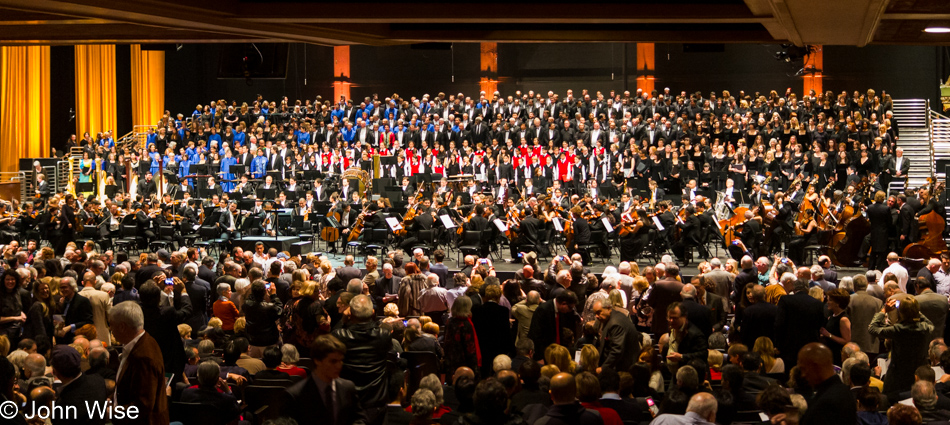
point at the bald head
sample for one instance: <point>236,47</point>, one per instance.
<point>816,364</point>
<point>43,396</point>
<point>746,262</point>
<point>563,389</point>
<point>703,404</point>
<point>463,372</point>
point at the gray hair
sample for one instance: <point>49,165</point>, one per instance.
<point>462,307</point>
<point>688,291</point>
<point>563,275</point>
<point>423,403</point>
<point>208,373</point>
<point>240,284</point>
<point>222,288</point>
<point>846,283</point>
<point>687,378</point>
<point>715,263</point>
<point>289,354</point>
<point>72,282</point>
<point>787,278</point>
<point>432,383</point>
<point>361,307</point>
<point>624,268</point>
<point>924,395</point>
<point>127,314</point>
<point>500,363</point>
<point>432,280</point>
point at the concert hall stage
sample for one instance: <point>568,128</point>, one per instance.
<point>282,243</point>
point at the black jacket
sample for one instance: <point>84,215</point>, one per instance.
<point>758,320</point>
<point>305,404</point>
<point>832,404</point>
<point>262,321</point>
<point>366,361</point>
<point>581,231</point>
<point>798,321</point>
<point>162,324</point>
<point>225,403</point>
<point>698,315</point>
<point>693,345</point>
<point>570,414</point>
<point>79,314</point>
<point>619,338</point>
<point>87,388</point>
<point>493,329</point>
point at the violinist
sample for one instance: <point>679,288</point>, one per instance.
<point>67,221</point>
<point>751,232</point>
<point>528,230</point>
<point>807,234</point>
<point>690,233</point>
<point>42,186</point>
<point>166,218</point>
<point>667,220</point>
<point>781,226</point>
<point>28,223</point>
<point>7,219</point>
<point>422,221</point>
<point>347,218</point>
<point>636,236</point>
<point>228,223</point>
<point>478,222</point>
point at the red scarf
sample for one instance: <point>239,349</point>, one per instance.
<point>478,350</point>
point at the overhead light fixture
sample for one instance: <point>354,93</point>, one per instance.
<point>937,30</point>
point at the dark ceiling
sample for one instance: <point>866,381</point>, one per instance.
<point>325,22</point>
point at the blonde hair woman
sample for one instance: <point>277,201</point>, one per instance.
<point>559,356</point>
<point>766,350</point>
<point>590,359</point>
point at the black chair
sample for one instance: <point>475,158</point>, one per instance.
<point>305,363</point>
<point>89,233</point>
<point>426,241</point>
<point>420,364</point>
<point>593,246</point>
<point>264,402</point>
<point>375,240</point>
<point>164,232</point>
<point>469,245</point>
<point>129,238</point>
<point>210,238</point>
<point>275,382</point>
<point>196,414</point>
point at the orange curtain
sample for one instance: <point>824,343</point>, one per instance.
<point>95,89</point>
<point>148,85</point>
<point>24,104</point>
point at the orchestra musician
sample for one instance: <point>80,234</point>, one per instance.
<point>690,232</point>
<point>229,225</point>
<point>807,234</point>
<point>67,220</point>
<point>528,231</point>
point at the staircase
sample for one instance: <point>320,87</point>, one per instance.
<point>940,135</point>
<point>913,119</point>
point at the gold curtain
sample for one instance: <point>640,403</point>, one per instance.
<point>148,85</point>
<point>24,104</point>
<point>95,89</point>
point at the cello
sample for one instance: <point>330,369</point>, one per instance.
<point>357,228</point>
<point>329,233</point>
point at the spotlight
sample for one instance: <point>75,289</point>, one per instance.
<point>937,30</point>
<point>178,47</point>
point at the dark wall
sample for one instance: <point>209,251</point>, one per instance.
<point>904,72</point>
<point>191,77</point>
<point>62,81</point>
<point>123,89</point>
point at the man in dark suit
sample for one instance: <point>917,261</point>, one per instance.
<point>140,381</point>
<point>550,319</point>
<point>368,349</point>
<point>581,234</point>
<point>490,318</point>
<point>666,291</point>
<point>750,233</point>
<point>690,230</point>
<point>323,397</point>
<point>906,223</point>
<point>691,344</point>
<point>77,388</point>
<point>77,310</point>
<point>441,270</point>
<point>833,402</point>
<point>758,319</point>
<point>797,322</point>
<point>213,391</point>
<point>619,337</point>
<point>162,322</point>
<point>348,272</point>
<point>899,165</point>
<point>879,215</point>
<point>699,314</point>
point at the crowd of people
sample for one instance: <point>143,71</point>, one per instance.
<point>268,337</point>
<point>553,344</point>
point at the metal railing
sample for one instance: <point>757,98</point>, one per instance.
<point>930,137</point>
<point>939,126</point>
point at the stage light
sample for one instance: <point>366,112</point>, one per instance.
<point>937,30</point>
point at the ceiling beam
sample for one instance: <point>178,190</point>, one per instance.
<point>142,12</point>
<point>110,33</point>
<point>421,13</point>
<point>557,36</point>
<point>872,17</point>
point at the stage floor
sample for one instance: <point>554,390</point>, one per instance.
<point>597,267</point>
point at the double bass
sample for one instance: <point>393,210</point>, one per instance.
<point>357,228</point>
<point>329,233</point>
<point>930,241</point>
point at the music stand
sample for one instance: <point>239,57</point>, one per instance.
<point>387,160</point>
<point>246,204</point>
<point>609,191</point>
<point>111,190</point>
<point>238,170</point>
<point>266,193</point>
<point>85,187</point>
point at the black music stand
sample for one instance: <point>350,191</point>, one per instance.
<point>266,193</point>
<point>238,171</point>
<point>85,187</point>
